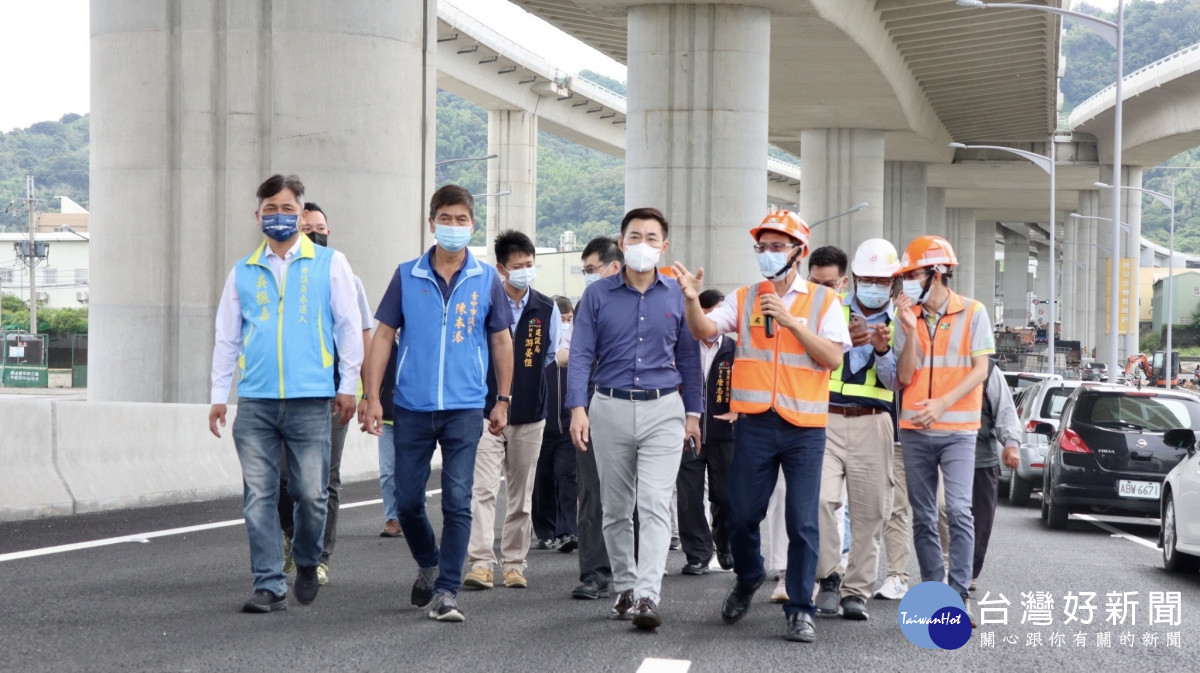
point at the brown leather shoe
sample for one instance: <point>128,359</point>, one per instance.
<point>391,529</point>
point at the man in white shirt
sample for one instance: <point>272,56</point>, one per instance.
<point>288,296</point>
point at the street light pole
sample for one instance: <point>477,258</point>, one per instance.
<point>1114,34</point>
<point>1046,164</point>
<point>1169,202</point>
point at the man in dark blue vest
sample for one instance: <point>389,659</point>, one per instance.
<point>714,456</point>
<point>450,311</point>
<point>288,296</point>
<point>513,454</point>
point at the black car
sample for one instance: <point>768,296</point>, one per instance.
<point>1108,453</point>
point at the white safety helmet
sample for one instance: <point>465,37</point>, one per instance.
<point>875,258</point>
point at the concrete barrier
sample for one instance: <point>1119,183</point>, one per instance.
<point>30,485</point>
<point>63,457</point>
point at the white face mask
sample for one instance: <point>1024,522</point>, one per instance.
<point>914,289</point>
<point>589,278</point>
<point>641,257</point>
<point>521,278</point>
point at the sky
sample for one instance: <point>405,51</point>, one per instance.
<point>44,46</point>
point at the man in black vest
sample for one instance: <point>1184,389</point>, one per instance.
<point>554,484</point>
<point>514,452</point>
<point>715,454</point>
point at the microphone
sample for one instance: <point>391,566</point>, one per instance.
<point>767,287</point>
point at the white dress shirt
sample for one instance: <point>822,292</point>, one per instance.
<point>347,323</point>
<point>833,321</point>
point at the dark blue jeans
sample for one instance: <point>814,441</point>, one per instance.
<point>301,426</point>
<point>417,434</point>
<point>765,444</point>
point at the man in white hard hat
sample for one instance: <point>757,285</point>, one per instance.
<point>859,437</point>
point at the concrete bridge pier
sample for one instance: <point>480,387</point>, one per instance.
<point>697,130</point>
<point>842,167</point>
<point>512,135</point>
<point>984,288</point>
<point>193,105</point>
<point>1016,281</point>
<point>1041,285</point>
<point>960,231</point>
<point>906,195</point>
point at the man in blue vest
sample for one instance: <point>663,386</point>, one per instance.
<point>513,454</point>
<point>450,311</point>
<point>288,296</point>
<point>858,440</point>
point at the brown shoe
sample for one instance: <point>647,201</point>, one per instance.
<point>623,608</point>
<point>391,529</point>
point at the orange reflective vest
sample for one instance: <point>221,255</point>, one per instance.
<point>944,360</point>
<point>777,373</point>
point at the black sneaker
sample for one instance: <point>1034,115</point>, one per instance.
<point>422,590</point>
<point>590,591</point>
<point>568,543</point>
<point>541,544</point>
<point>265,601</point>
<point>695,569</point>
<point>676,545</point>
<point>645,615</point>
<point>854,608</point>
<point>307,584</point>
<point>623,609</point>
<point>829,595</point>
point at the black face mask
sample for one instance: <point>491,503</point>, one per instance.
<point>320,239</point>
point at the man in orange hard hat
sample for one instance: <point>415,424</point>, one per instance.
<point>943,344</point>
<point>791,334</point>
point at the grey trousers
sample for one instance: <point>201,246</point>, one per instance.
<point>955,455</point>
<point>638,447</point>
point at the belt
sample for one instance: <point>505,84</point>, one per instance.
<point>855,412</point>
<point>635,395</point>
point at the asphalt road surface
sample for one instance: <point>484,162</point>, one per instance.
<point>166,599</point>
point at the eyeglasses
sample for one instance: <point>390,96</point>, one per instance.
<point>915,274</point>
<point>831,284</point>
<point>596,269</point>
<point>773,247</point>
<point>877,282</point>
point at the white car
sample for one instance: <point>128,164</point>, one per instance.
<point>1179,507</point>
<point>1040,403</point>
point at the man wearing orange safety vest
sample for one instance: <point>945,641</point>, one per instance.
<point>790,334</point>
<point>943,344</point>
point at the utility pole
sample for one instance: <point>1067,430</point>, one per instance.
<point>31,259</point>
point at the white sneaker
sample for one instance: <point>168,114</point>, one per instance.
<point>780,595</point>
<point>892,589</point>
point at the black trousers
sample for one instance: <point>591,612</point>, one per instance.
<point>697,538</point>
<point>554,487</point>
<point>983,507</point>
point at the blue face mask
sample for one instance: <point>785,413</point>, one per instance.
<point>280,226</point>
<point>873,296</point>
<point>452,239</point>
<point>772,264</point>
<point>915,290</point>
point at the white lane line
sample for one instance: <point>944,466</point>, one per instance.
<point>146,537</point>
<point>652,665</point>
<point>1117,532</point>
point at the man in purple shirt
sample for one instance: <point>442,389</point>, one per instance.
<point>632,326</point>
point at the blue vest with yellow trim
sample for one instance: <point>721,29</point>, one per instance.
<point>443,351</point>
<point>862,388</point>
<point>287,333</point>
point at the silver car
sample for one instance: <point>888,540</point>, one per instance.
<point>1040,403</point>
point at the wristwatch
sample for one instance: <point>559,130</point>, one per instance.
<point>504,398</point>
<point>885,352</point>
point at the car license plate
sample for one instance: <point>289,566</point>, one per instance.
<point>1138,489</point>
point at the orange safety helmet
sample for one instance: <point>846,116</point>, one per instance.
<point>785,222</point>
<point>927,251</point>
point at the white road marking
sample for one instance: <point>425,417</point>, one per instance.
<point>146,537</point>
<point>1117,532</point>
<point>652,665</point>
